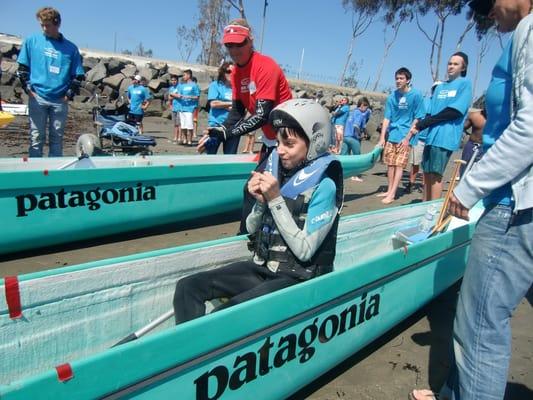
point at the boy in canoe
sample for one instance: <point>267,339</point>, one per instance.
<point>293,224</point>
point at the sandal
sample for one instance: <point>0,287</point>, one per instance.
<point>423,394</point>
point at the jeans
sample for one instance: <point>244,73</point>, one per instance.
<point>350,144</point>
<point>498,275</point>
<point>43,112</point>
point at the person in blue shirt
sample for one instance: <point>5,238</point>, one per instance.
<point>189,94</point>
<point>139,98</point>
<point>449,107</point>
<point>403,108</point>
<point>219,98</point>
<point>354,130</point>
<point>51,71</point>
<point>174,105</point>
<point>338,119</point>
<point>499,271</point>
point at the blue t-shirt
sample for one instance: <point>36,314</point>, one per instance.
<point>356,122</point>
<point>137,94</point>
<point>188,89</point>
<point>175,102</point>
<point>222,92</point>
<point>53,63</point>
<point>456,94</point>
<point>340,115</point>
<point>401,109</point>
<point>498,106</point>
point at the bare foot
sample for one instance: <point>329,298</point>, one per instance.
<point>387,200</point>
<point>356,179</point>
<point>382,194</point>
<point>422,394</point>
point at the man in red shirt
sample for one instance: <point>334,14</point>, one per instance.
<point>258,86</point>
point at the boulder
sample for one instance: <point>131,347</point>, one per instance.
<point>124,85</point>
<point>80,99</point>
<point>173,70</point>
<point>114,80</point>
<point>91,87</point>
<point>167,114</point>
<point>155,84</point>
<point>89,63</point>
<point>160,66</point>
<point>7,49</point>
<point>114,66</point>
<point>129,70</point>
<point>148,73</point>
<point>155,109</point>
<point>97,73</point>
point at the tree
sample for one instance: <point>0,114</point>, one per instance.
<point>239,7</point>
<point>214,15</point>
<point>363,12</point>
<point>140,50</point>
<point>351,79</point>
<point>395,27</point>
<point>186,41</point>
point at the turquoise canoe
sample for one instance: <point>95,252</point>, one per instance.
<point>50,201</point>
<point>266,348</point>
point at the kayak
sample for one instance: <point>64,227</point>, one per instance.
<point>58,327</point>
<point>46,201</point>
<point>5,118</point>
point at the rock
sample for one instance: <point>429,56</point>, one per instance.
<point>129,70</point>
<point>85,92</point>
<point>7,49</point>
<point>7,79</point>
<point>97,73</point>
<point>160,66</point>
<point>124,85</point>
<point>155,84</point>
<point>89,63</point>
<point>114,80</point>
<point>109,92</point>
<point>173,70</point>
<point>114,66</point>
<point>81,99</point>
<point>91,87</point>
<point>166,114</point>
<point>148,73</point>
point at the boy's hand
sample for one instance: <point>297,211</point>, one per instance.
<point>269,186</point>
<point>254,187</point>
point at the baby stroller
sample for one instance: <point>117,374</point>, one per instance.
<point>119,135</point>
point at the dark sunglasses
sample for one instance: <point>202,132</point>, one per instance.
<point>231,45</point>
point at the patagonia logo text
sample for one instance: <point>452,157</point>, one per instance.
<point>92,199</point>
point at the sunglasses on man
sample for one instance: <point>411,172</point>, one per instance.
<point>231,45</point>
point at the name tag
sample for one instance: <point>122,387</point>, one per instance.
<point>53,69</point>
<point>452,93</point>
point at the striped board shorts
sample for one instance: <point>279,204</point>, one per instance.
<point>395,155</point>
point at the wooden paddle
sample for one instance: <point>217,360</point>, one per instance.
<point>444,218</point>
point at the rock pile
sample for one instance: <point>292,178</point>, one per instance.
<point>108,75</point>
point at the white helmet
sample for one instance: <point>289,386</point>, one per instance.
<point>307,116</point>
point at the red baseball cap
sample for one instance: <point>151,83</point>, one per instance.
<point>235,34</point>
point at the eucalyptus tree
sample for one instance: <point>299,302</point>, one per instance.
<point>363,13</point>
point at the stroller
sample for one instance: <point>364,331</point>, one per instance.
<point>119,135</point>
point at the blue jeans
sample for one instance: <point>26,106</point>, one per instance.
<point>498,275</point>
<point>42,113</point>
<point>350,144</point>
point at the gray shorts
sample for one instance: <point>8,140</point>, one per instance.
<point>176,118</point>
<point>415,156</point>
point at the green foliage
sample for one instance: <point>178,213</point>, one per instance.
<point>140,50</point>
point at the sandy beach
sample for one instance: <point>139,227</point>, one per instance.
<point>413,354</point>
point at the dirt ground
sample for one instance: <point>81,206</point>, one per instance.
<point>413,354</point>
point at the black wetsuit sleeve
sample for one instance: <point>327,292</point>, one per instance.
<point>448,114</point>
<point>23,73</point>
<point>260,118</point>
<point>235,115</point>
<point>74,87</point>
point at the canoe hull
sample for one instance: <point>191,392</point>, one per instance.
<point>281,341</point>
<point>79,203</point>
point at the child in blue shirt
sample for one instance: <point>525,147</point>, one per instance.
<point>139,99</point>
<point>338,119</point>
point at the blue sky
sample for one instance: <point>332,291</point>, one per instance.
<point>321,27</point>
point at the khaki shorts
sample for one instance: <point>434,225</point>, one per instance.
<point>394,154</point>
<point>415,155</point>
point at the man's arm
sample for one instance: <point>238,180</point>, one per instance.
<point>234,127</point>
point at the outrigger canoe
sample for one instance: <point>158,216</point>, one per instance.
<point>58,328</point>
<point>46,201</point>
